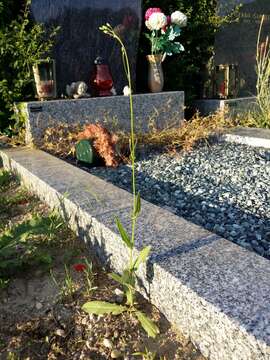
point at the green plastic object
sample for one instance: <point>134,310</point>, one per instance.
<point>85,152</point>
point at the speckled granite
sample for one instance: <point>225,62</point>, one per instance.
<point>165,109</point>
<point>217,293</point>
<point>249,136</point>
<point>235,106</point>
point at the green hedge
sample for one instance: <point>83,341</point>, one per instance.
<point>22,44</point>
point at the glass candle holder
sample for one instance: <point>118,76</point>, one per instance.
<point>101,79</point>
<point>45,79</point>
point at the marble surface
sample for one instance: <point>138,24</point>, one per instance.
<point>79,41</point>
<point>217,293</point>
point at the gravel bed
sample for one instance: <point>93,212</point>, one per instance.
<point>223,188</point>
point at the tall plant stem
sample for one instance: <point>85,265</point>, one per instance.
<point>126,64</point>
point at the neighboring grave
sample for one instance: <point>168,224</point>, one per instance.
<point>236,42</point>
<point>80,41</point>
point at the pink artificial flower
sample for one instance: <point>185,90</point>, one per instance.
<point>151,11</point>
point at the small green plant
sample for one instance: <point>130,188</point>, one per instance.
<point>128,278</point>
<point>86,268</point>
<point>68,287</point>
<point>3,283</point>
<point>262,116</point>
<point>89,276</point>
<point>18,248</point>
<point>5,179</point>
<point>146,355</point>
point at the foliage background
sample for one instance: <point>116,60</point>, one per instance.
<point>22,44</point>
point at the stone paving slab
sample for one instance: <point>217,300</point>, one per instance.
<point>214,291</point>
<point>254,137</point>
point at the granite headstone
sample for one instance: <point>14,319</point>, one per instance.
<point>79,41</point>
<point>236,43</point>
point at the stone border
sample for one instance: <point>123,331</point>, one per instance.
<point>216,292</point>
<point>149,109</point>
<point>235,106</point>
<point>254,137</point>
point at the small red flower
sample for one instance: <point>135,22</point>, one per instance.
<point>79,267</point>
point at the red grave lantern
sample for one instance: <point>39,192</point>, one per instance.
<point>101,79</point>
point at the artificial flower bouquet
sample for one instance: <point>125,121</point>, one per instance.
<point>164,31</point>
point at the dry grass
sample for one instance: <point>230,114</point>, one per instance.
<point>61,140</point>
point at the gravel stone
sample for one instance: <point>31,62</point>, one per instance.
<point>223,188</point>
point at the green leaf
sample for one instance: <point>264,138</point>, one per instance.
<point>137,205</point>
<point>117,278</point>
<point>147,324</point>
<point>123,234</point>
<point>142,257</point>
<point>102,307</point>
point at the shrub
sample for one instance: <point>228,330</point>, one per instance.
<point>22,44</point>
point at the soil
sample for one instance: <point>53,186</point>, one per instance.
<point>41,319</point>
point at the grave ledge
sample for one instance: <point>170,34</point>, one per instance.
<point>214,291</point>
<point>109,111</point>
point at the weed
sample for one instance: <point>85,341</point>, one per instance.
<point>3,283</point>
<point>263,79</point>
<point>128,278</point>
<point>89,276</point>
<point>68,287</point>
<point>18,244</point>
<point>146,355</point>
<point>5,179</point>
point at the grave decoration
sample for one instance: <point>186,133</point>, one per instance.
<point>101,79</point>
<point>77,90</point>
<point>79,40</point>
<point>164,30</point>
<point>102,141</point>
<point>86,153</point>
<point>45,79</point>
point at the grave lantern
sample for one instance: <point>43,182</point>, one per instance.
<point>101,80</point>
<point>226,81</point>
<point>221,81</point>
<point>45,79</point>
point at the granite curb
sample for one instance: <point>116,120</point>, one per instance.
<point>254,137</point>
<point>215,292</point>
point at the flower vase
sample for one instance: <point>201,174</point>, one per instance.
<point>155,73</point>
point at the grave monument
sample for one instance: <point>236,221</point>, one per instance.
<point>236,44</point>
<point>80,42</point>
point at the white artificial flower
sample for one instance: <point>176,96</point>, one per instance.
<point>126,91</point>
<point>179,18</point>
<point>148,25</point>
<point>157,21</point>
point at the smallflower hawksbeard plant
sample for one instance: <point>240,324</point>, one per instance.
<point>164,31</point>
<point>127,280</point>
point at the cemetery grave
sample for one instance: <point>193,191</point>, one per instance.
<point>144,179</point>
